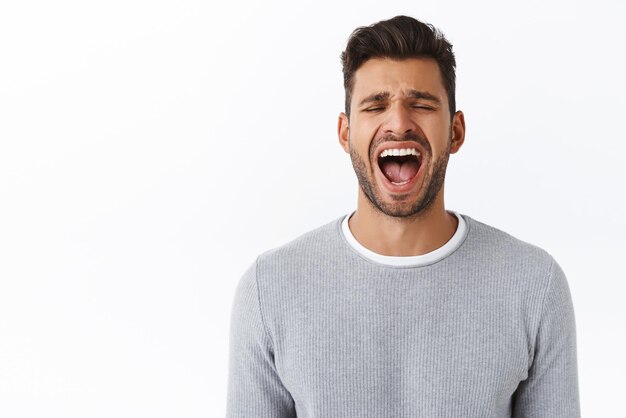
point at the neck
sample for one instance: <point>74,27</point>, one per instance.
<point>405,236</point>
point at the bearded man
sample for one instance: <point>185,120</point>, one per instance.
<point>402,308</point>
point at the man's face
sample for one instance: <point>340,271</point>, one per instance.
<point>400,107</point>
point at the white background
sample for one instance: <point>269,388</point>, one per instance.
<point>149,150</point>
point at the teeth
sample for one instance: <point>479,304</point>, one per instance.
<point>399,152</point>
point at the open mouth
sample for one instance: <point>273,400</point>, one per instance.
<point>399,166</point>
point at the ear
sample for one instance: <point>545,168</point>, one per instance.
<point>458,132</point>
<point>343,132</point>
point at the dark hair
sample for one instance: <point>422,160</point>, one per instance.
<point>401,37</point>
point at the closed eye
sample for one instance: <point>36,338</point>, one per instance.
<point>377,109</point>
<point>422,107</point>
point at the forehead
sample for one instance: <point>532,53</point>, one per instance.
<point>398,76</point>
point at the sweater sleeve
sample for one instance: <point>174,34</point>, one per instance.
<point>254,387</point>
<point>551,388</point>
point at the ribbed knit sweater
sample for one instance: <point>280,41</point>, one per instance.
<point>319,330</point>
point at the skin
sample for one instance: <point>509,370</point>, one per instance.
<point>414,222</point>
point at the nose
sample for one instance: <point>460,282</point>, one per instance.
<point>399,120</point>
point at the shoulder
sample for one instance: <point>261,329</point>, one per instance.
<point>311,244</point>
<point>498,244</point>
<point>285,269</point>
<point>523,271</point>
<point>511,261</point>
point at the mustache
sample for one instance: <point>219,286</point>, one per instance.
<point>408,136</point>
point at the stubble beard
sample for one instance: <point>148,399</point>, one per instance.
<point>431,185</point>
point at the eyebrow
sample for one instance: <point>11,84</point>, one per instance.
<point>414,94</point>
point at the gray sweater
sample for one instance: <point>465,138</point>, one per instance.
<point>320,331</point>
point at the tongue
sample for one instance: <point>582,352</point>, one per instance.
<point>398,172</point>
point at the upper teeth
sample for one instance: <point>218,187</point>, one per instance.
<point>399,152</point>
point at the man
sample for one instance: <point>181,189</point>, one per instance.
<point>403,308</point>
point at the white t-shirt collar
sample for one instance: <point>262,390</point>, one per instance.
<point>415,260</point>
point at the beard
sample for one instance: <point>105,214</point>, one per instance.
<point>402,206</point>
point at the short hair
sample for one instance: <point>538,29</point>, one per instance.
<point>401,37</point>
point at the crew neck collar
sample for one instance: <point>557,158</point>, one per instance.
<point>413,261</point>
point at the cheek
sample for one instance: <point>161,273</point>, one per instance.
<point>358,141</point>
<point>438,134</point>
<point>361,139</point>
